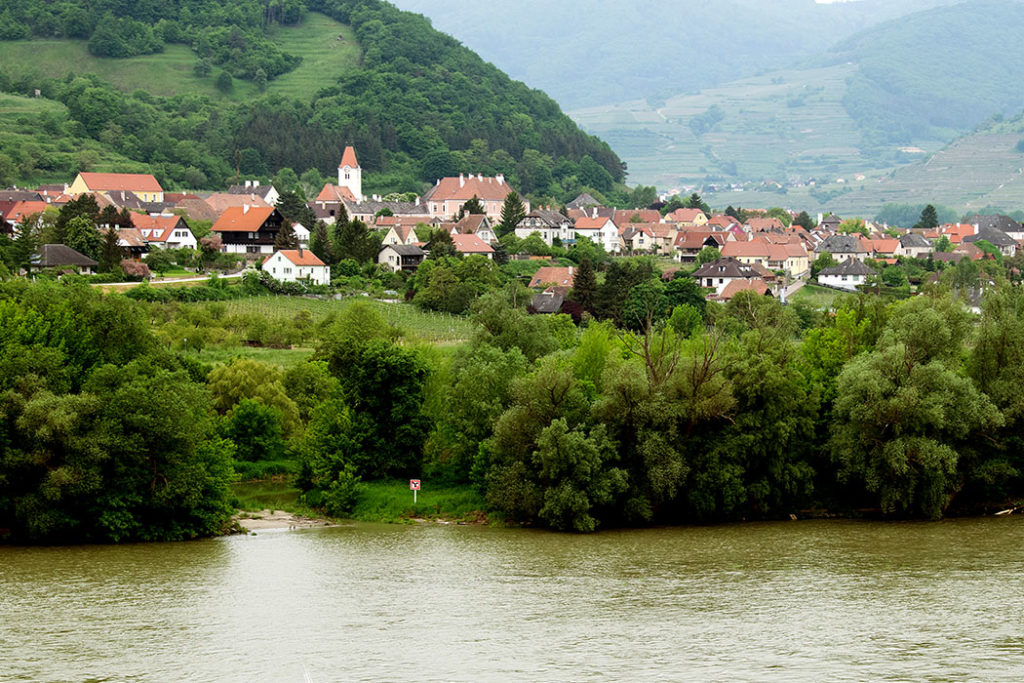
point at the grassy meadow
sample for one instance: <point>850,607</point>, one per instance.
<point>170,72</point>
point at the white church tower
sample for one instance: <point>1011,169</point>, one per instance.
<point>350,175</point>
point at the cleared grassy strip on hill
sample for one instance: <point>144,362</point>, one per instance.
<point>325,57</point>
<point>171,71</point>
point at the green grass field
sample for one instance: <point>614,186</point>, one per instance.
<point>170,72</point>
<point>821,298</point>
<point>416,325</point>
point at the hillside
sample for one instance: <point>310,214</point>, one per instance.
<point>616,52</point>
<point>296,83</point>
<point>945,69</point>
<point>783,125</point>
<point>884,98</point>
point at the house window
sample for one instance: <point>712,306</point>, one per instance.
<point>844,278</point>
<point>720,280</point>
<point>346,175</point>
<point>287,271</point>
<point>252,249</point>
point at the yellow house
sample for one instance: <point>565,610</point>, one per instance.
<point>144,185</point>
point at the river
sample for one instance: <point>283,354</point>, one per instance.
<point>796,601</point>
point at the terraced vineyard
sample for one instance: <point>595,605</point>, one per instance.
<point>785,123</point>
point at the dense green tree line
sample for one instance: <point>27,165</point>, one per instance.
<point>662,408</point>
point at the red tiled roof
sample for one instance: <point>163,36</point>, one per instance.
<point>623,216</point>
<point>335,193</point>
<point>591,223</point>
<point>471,244</point>
<point>756,285</point>
<point>349,158</point>
<point>553,275</point>
<point>237,219</point>
<point>22,209</point>
<point>684,215</point>
<point>467,187</point>
<point>135,182</point>
<point>299,257</point>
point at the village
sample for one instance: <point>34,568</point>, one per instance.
<point>772,253</point>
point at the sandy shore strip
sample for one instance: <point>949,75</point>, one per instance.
<point>266,520</point>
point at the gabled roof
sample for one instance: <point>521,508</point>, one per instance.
<point>583,201</point>
<point>592,223</point>
<point>725,267</point>
<point>912,239</point>
<point>299,257</point>
<point>849,267</point>
<point>22,210</point>
<point>684,215</point>
<point>753,284</point>
<point>624,216</point>
<point>993,235</point>
<point>547,302</point>
<point>997,221</point>
<point>220,201</point>
<point>349,158</point>
<point>553,275</point>
<point>335,193</point>
<point>471,223</point>
<point>136,182</point>
<point>131,238</point>
<point>56,255</point>
<point>404,249</point>
<point>20,196</point>
<point>471,244</point>
<point>842,244</point>
<point>548,217</point>
<point>238,219</point>
<point>752,249</point>
<point>759,223</point>
<point>886,245</point>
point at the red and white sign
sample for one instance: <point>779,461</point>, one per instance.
<point>414,484</point>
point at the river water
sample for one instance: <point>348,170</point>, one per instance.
<point>798,601</point>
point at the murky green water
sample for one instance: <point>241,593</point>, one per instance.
<point>802,601</point>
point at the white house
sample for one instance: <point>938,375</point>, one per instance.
<point>847,275</point>
<point>292,265</point>
<point>600,230</point>
<point>302,234</point>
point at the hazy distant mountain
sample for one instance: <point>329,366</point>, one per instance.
<point>588,52</point>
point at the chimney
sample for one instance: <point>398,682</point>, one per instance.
<point>480,177</point>
<point>462,180</point>
<point>500,178</point>
<point>245,209</point>
<point>570,271</point>
<point>417,200</point>
<point>248,183</point>
<point>255,183</point>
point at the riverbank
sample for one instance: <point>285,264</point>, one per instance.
<point>389,502</point>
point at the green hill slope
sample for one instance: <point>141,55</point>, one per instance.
<point>171,72</point>
<point>308,79</point>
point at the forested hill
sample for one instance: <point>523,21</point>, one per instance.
<point>936,73</point>
<point>227,94</point>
